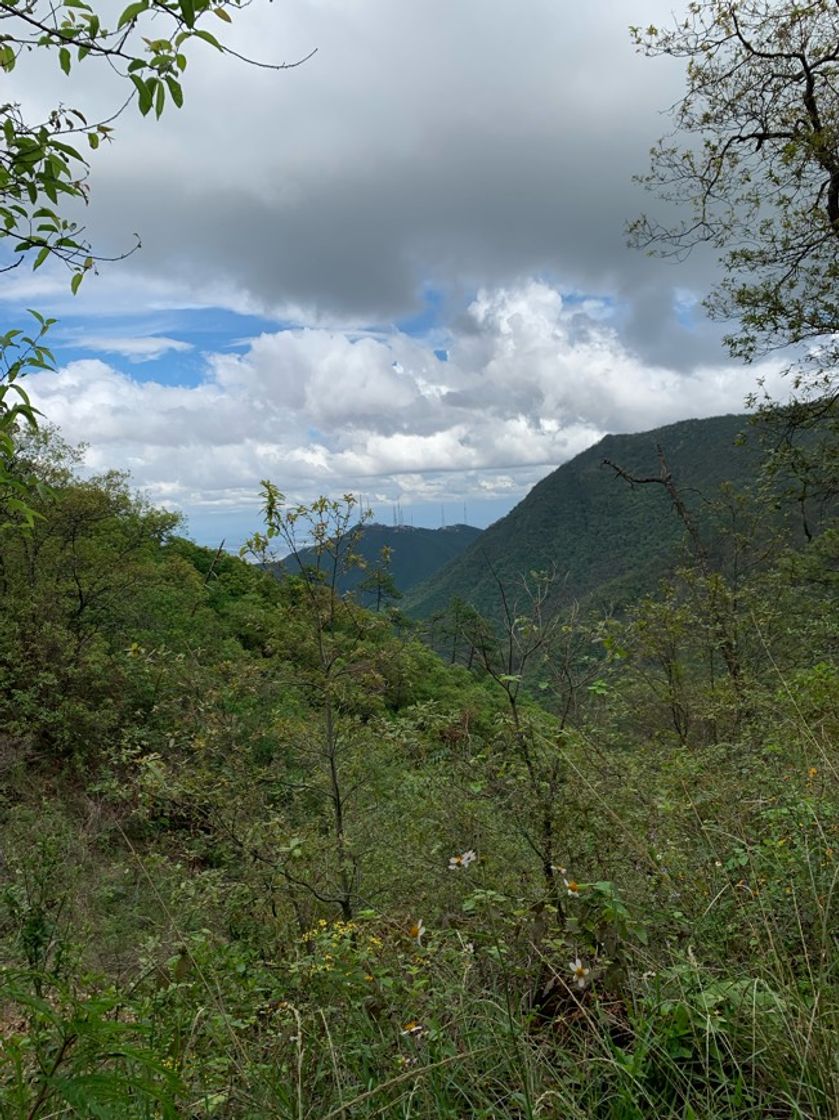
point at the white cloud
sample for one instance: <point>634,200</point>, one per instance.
<point>527,385</point>
<point>142,348</point>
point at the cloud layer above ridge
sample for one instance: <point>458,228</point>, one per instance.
<point>529,381</point>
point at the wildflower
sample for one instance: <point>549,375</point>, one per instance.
<point>405,1062</point>
<point>558,870</point>
<point>572,886</point>
<point>413,1029</point>
<point>579,972</point>
<point>417,931</point>
<point>812,771</point>
<point>462,861</point>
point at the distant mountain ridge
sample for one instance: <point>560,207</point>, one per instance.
<point>416,554</point>
<point>601,536</point>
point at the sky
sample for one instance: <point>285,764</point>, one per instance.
<point>399,270</point>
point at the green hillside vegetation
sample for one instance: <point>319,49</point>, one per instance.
<point>600,536</point>
<point>264,855</point>
<point>405,554</point>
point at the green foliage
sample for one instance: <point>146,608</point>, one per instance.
<point>19,353</point>
<point>78,1053</point>
<point>266,855</point>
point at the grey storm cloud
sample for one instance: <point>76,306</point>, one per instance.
<point>455,145</point>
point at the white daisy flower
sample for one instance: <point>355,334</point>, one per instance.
<point>456,863</point>
<point>579,972</point>
<point>417,931</point>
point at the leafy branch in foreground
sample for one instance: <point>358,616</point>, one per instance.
<point>41,166</point>
<point>44,166</point>
<point>754,170</point>
<point>19,353</point>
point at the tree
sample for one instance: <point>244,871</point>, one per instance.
<point>378,587</point>
<point>338,662</point>
<point>42,166</point>
<point>754,166</point>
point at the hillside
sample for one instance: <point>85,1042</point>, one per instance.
<point>265,856</point>
<point>417,554</point>
<point>601,535</point>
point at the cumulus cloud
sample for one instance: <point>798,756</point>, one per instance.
<point>531,379</point>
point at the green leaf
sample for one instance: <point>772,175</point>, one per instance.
<point>188,12</point>
<point>131,12</point>
<point>93,140</point>
<point>160,98</point>
<point>175,91</point>
<point>208,38</point>
<point>67,150</point>
<point>144,93</point>
<point>42,256</point>
<point>223,14</point>
<point>76,281</point>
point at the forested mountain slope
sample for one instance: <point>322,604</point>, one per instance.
<point>415,555</point>
<point>601,535</point>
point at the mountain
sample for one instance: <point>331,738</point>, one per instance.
<point>416,554</point>
<point>598,533</point>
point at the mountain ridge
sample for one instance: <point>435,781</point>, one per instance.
<point>603,536</point>
<point>417,553</point>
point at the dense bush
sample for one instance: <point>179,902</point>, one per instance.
<point>264,854</point>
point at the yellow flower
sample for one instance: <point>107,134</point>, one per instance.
<point>572,886</point>
<point>413,1028</point>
